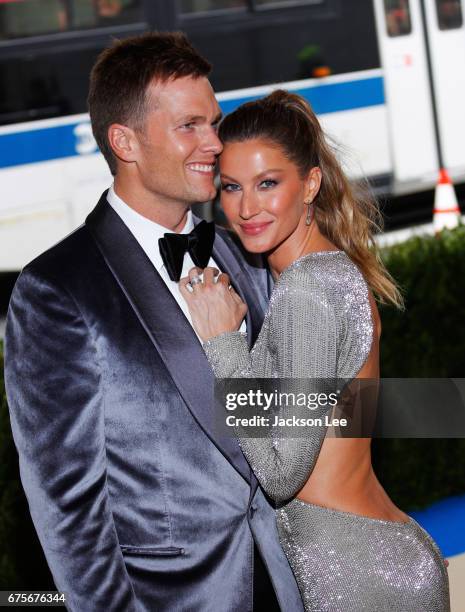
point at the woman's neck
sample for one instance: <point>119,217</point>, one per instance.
<point>289,251</point>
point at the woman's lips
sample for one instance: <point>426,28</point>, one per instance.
<point>253,229</point>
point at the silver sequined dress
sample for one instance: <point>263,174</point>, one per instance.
<point>319,325</point>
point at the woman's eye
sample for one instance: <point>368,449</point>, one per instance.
<point>229,187</point>
<point>267,183</point>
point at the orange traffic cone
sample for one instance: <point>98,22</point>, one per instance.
<point>446,213</point>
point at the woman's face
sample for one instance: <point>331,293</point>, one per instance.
<point>263,196</point>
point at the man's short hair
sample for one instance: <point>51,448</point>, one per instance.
<point>122,73</point>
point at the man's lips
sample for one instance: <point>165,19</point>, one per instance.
<point>202,168</point>
<point>253,229</point>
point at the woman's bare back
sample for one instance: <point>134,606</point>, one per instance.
<point>343,476</point>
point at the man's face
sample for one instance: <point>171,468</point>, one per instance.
<point>178,144</point>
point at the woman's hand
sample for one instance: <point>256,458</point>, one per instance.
<point>214,306</point>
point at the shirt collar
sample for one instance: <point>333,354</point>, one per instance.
<point>146,232</point>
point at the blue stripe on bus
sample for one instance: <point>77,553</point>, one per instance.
<point>37,145</point>
<point>332,97</point>
<point>59,142</point>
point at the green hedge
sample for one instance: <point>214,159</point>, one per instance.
<point>427,340</point>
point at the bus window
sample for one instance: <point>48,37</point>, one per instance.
<point>32,17</point>
<point>22,18</point>
<point>107,12</point>
<point>285,3</point>
<point>202,6</point>
<point>397,17</point>
<point>449,13</point>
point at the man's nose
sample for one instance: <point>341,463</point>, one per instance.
<point>211,143</point>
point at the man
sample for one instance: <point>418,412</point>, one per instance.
<point>137,503</point>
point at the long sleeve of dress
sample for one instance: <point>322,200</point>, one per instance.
<point>298,340</point>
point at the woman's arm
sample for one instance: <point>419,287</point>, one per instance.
<point>302,344</point>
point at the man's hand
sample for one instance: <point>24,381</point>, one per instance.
<point>214,306</point>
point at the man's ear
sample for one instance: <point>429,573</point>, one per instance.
<point>313,184</point>
<point>123,142</point>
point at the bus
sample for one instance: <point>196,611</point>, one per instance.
<point>385,77</point>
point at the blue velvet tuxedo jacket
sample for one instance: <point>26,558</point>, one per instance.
<point>137,503</point>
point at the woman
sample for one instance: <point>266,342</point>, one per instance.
<point>286,196</point>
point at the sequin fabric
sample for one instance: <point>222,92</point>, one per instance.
<point>345,562</point>
<point>318,326</point>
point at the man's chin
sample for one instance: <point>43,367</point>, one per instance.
<point>204,197</point>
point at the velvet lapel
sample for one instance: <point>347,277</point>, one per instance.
<point>256,301</point>
<point>164,322</point>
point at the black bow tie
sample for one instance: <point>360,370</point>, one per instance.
<point>198,243</point>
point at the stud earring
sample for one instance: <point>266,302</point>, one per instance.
<point>310,213</point>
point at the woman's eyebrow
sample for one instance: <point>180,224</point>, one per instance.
<point>257,176</point>
<point>267,171</point>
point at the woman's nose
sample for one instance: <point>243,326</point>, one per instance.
<point>249,206</point>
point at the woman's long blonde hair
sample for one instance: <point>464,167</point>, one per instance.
<point>346,214</point>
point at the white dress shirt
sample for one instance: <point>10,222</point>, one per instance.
<point>147,233</point>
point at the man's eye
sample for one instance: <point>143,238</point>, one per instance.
<point>188,126</point>
<point>267,183</point>
<point>229,187</point>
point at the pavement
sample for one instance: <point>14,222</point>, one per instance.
<point>456,571</point>
<point>443,520</point>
